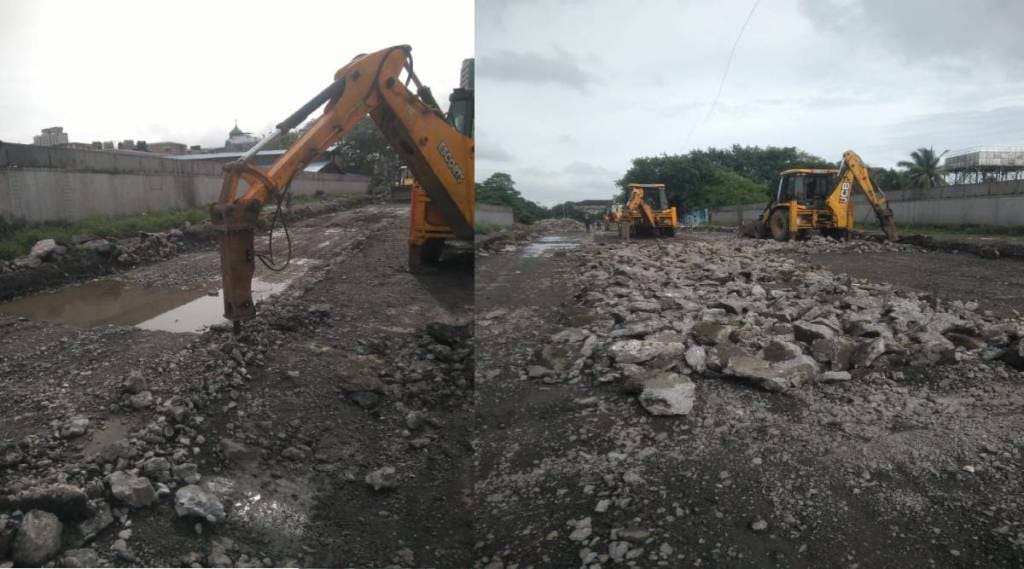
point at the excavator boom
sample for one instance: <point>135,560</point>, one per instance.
<point>854,171</point>
<point>439,156</point>
<point>821,200</point>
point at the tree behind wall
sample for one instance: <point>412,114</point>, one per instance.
<point>923,169</point>
<point>499,189</point>
<point>364,150</point>
<point>693,182</point>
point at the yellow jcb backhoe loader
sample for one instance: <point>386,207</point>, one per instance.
<point>647,212</point>
<point>437,148</point>
<point>821,200</point>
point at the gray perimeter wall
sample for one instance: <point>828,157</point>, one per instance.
<point>40,184</point>
<point>496,214</point>
<point>993,204</point>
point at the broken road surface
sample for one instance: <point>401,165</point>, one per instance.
<point>708,401</point>
<point>334,431</point>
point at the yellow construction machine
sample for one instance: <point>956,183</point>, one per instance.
<point>437,148</point>
<point>821,200</point>
<point>647,212</point>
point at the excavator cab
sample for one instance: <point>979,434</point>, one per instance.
<point>656,198</point>
<point>647,212</point>
<point>460,103</point>
<point>808,187</point>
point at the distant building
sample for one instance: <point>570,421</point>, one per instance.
<point>171,148</point>
<point>51,137</point>
<point>985,164</point>
<point>239,141</point>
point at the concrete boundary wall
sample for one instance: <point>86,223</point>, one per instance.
<point>496,214</point>
<point>990,204</point>
<point>39,184</point>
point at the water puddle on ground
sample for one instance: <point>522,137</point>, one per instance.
<point>116,302</point>
<point>549,244</point>
<point>276,507</point>
<point>114,429</point>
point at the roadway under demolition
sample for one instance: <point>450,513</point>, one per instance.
<point>333,431</point>
<point>714,401</point>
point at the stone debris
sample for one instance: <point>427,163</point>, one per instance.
<point>135,491</point>
<point>668,394</point>
<point>38,539</point>
<point>384,478</point>
<point>63,500</point>
<point>705,310</point>
<point>47,249</point>
<point>85,557</point>
<point>193,500</point>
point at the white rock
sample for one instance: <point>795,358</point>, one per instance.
<point>668,394</point>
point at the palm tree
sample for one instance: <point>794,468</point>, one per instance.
<point>924,170</point>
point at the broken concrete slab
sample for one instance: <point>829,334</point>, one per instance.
<point>668,394</point>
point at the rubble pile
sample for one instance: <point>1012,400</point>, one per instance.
<point>670,312</point>
<point>559,224</point>
<point>56,501</point>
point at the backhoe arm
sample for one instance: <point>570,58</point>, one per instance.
<point>853,171</point>
<point>636,202</point>
<point>438,155</point>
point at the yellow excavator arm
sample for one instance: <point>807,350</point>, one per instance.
<point>853,172</point>
<point>637,203</point>
<point>437,153</point>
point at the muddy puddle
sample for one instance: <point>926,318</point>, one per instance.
<point>549,245</point>
<point>121,303</point>
<point>113,430</point>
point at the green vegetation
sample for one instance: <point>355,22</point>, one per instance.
<point>16,239</point>
<point>568,209</point>
<point>733,176</point>
<point>483,228</point>
<point>693,182</point>
<point>499,189</point>
<point>923,170</point>
<point>952,230</point>
<point>761,165</point>
<point>364,150</point>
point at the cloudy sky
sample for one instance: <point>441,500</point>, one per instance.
<point>185,70</point>
<point>569,92</point>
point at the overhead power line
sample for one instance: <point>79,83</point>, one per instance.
<point>725,74</point>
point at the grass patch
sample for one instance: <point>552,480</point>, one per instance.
<point>952,230</point>
<point>17,238</point>
<point>483,228</point>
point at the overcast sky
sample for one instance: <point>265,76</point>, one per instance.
<point>185,70</point>
<point>569,92</point>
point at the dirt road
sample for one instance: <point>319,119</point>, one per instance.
<point>899,463</point>
<point>334,432</point>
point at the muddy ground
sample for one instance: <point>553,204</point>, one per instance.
<point>900,466</point>
<point>335,431</point>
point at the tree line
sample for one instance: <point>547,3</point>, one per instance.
<point>715,177</point>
